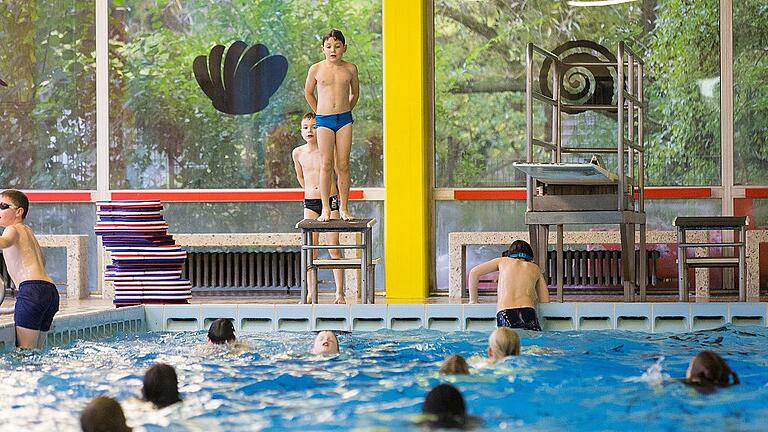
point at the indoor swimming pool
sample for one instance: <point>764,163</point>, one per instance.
<point>591,380</point>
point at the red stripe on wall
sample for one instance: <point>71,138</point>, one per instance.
<point>677,192</point>
<point>58,196</point>
<point>756,192</point>
<point>486,194</point>
<point>650,193</point>
<point>197,196</point>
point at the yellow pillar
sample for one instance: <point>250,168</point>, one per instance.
<point>406,149</point>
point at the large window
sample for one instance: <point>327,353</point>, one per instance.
<point>750,92</point>
<point>480,85</point>
<point>47,112</point>
<point>164,131</point>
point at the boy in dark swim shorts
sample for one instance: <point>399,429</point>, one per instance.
<point>38,298</point>
<point>307,162</point>
<point>521,285</point>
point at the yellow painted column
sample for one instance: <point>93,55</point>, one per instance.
<point>406,149</point>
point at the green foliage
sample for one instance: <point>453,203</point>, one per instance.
<point>164,132</point>
<point>480,84</point>
<point>47,114</point>
<point>171,136</point>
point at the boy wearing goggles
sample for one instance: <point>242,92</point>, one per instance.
<point>38,299</point>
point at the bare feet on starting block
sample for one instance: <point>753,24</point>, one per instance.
<point>340,299</point>
<point>325,216</point>
<point>345,215</point>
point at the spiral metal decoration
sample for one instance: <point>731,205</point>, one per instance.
<point>582,85</point>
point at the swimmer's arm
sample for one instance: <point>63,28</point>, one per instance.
<point>309,87</point>
<point>9,237</point>
<point>541,289</point>
<point>354,91</point>
<point>297,166</point>
<point>476,272</point>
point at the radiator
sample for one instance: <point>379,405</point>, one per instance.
<point>596,268</point>
<point>223,273</point>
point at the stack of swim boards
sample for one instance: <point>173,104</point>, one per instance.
<point>146,262</point>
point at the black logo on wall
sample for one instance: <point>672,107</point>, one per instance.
<point>250,77</point>
<point>583,85</point>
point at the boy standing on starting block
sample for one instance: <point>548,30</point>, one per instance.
<point>338,90</point>
<point>307,162</point>
<point>38,299</point>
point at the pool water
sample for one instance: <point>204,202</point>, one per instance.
<point>596,381</point>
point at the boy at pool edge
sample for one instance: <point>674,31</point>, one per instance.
<point>38,299</point>
<point>521,284</point>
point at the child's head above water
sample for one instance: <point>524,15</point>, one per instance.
<point>444,408</point>
<point>161,385</point>
<point>454,365</point>
<point>221,331</point>
<point>309,128</point>
<point>709,370</point>
<point>502,343</point>
<point>103,414</point>
<point>325,343</point>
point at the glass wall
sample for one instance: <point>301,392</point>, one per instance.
<point>480,85</point>
<point>164,130</point>
<point>750,93</point>
<point>63,218</point>
<point>48,110</point>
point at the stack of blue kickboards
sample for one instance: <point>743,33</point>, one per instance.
<point>146,262</point>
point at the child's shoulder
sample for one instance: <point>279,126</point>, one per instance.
<point>300,149</point>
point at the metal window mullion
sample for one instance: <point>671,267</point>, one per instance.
<point>726,105</point>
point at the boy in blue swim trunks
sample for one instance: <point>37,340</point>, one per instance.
<point>338,90</point>
<point>307,162</point>
<point>521,285</point>
<point>38,299</point>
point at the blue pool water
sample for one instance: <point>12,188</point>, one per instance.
<point>597,381</point>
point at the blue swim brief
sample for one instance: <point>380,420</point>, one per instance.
<point>37,302</point>
<point>334,122</point>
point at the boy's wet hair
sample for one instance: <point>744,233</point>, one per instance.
<point>17,198</point>
<point>709,370</point>
<point>103,414</point>
<point>309,116</point>
<point>505,342</point>
<point>454,365</point>
<point>221,331</point>
<point>161,385</point>
<point>336,34</point>
<point>444,408</point>
<point>519,249</point>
